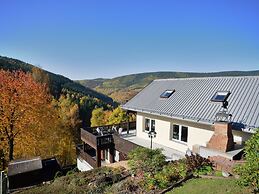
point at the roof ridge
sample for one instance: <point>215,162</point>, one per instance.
<point>218,77</point>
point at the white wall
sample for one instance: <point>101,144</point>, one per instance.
<point>82,165</point>
<point>195,135</point>
<point>240,137</point>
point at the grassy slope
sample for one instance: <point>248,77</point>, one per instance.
<point>123,88</point>
<point>81,183</point>
<point>58,82</point>
<point>210,186</point>
<point>93,181</point>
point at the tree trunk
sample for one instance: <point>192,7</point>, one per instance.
<point>11,145</point>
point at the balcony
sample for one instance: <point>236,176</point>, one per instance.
<point>96,141</point>
<point>101,137</point>
<point>85,156</point>
<point>109,137</point>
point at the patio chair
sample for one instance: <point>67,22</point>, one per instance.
<point>114,128</point>
<point>120,130</point>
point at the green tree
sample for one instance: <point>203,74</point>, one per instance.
<point>249,172</point>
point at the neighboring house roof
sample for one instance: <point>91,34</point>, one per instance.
<point>192,99</point>
<point>22,166</point>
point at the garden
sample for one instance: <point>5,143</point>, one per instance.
<point>149,172</point>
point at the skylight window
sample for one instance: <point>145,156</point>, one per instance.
<point>167,93</point>
<point>220,96</point>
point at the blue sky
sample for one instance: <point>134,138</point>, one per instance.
<point>108,38</point>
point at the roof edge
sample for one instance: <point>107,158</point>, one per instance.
<point>218,77</point>
<point>249,130</point>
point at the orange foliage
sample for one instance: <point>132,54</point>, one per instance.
<point>22,105</point>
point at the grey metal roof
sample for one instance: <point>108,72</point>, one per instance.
<point>191,99</point>
<point>22,166</point>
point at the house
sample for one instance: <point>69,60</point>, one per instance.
<point>211,116</point>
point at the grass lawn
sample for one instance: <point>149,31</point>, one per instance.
<point>210,186</point>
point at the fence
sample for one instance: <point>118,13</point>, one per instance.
<point>3,183</point>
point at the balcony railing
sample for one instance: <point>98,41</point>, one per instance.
<point>113,128</point>
<point>96,141</point>
<point>85,156</point>
<point>102,136</point>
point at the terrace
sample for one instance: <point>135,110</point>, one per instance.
<point>120,137</point>
<point>99,143</point>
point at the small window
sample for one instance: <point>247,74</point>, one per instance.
<point>176,132</point>
<point>184,134</point>
<point>220,96</point>
<point>150,125</point>
<point>167,93</point>
<point>147,124</point>
<point>180,133</point>
<point>153,125</point>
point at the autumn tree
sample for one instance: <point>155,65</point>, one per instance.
<point>40,76</point>
<point>109,117</point>
<point>22,101</point>
<point>97,118</point>
<point>68,111</point>
<point>118,116</point>
<point>69,114</point>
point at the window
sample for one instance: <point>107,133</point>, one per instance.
<point>153,125</point>
<point>184,134</point>
<point>175,131</point>
<point>180,133</point>
<point>220,96</point>
<point>167,93</point>
<point>150,125</point>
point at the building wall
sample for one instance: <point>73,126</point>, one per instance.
<point>82,165</point>
<point>240,137</point>
<point>195,135</point>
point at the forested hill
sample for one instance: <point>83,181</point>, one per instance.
<point>57,82</point>
<point>123,88</point>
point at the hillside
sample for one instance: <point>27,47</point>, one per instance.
<point>125,87</point>
<point>57,82</point>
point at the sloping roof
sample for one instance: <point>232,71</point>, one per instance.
<point>22,166</point>
<point>192,99</point>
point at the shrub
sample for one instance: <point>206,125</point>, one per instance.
<point>249,172</point>
<point>172,172</point>
<point>204,170</point>
<point>74,170</point>
<point>195,163</point>
<point>145,160</point>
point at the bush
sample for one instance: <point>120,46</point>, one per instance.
<point>196,163</point>
<point>172,172</point>
<point>204,170</point>
<point>249,172</point>
<point>144,160</point>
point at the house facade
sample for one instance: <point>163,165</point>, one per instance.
<point>210,116</point>
<point>183,112</point>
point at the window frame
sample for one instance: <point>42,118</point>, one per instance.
<point>163,95</point>
<point>217,93</point>
<point>150,125</point>
<point>180,129</point>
